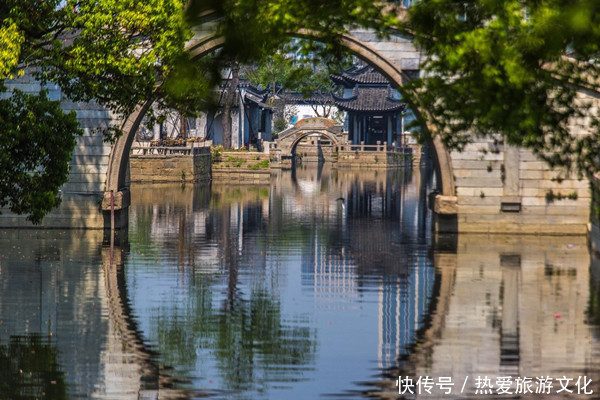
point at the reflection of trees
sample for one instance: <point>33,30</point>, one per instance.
<point>249,339</point>
<point>29,369</point>
<point>238,325</point>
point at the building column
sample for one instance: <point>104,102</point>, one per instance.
<point>389,130</point>
<point>354,130</point>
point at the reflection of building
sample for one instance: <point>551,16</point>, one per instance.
<point>331,276</point>
<point>374,110</point>
<point>403,305</point>
<point>53,288</point>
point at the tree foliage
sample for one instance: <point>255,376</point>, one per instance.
<point>295,68</point>
<point>36,143</point>
<point>510,67</point>
<point>254,28</point>
<point>116,52</point>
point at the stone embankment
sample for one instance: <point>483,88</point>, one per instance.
<point>170,164</point>
<point>241,167</point>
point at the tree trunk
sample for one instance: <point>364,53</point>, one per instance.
<point>229,102</point>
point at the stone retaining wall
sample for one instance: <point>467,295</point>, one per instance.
<point>503,189</point>
<point>242,168</point>
<point>373,159</point>
<point>170,168</point>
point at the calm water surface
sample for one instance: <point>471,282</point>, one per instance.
<point>322,283</point>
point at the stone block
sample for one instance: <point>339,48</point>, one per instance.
<point>445,205</point>
<point>94,140</point>
<point>97,177</point>
<point>89,150</point>
<point>479,201</point>
<point>84,159</point>
<point>526,155</point>
<point>478,209</point>
<point>533,165</point>
<point>121,200</point>
<point>532,192</point>
<point>531,174</point>
<point>479,182</point>
<point>410,63</point>
<point>534,210</point>
<point>89,169</point>
<point>365,36</point>
<point>84,187</point>
<point>469,164</point>
<point>530,184</point>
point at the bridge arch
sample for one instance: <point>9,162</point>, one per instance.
<point>304,134</point>
<point>119,156</point>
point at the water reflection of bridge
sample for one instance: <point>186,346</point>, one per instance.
<point>63,288</point>
<point>501,306</point>
<point>508,306</point>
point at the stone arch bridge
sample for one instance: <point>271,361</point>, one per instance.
<point>282,149</point>
<point>487,188</point>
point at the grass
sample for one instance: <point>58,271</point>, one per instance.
<point>264,164</point>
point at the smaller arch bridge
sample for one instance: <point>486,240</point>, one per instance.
<point>283,149</point>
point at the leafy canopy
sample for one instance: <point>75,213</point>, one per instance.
<point>116,52</point>
<point>511,67</point>
<point>36,143</point>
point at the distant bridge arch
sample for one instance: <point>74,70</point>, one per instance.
<point>203,45</point>
<point>288,140</point>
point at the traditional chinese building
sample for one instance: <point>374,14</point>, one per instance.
<point>250,118</point>
<point>251,121</point>
<point>374,110</point>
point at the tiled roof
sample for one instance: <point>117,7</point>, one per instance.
<point>360,74</point>
<point>315,99</point>
<point>369,99</point>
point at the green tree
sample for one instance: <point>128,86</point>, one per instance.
<point>36,142</point>
<point>295,68</point>
<point>511,67</point>
<point>116,52</point>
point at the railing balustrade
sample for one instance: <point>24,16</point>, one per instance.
<point>188,148</point>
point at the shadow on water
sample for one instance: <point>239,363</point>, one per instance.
<point>29,369</point>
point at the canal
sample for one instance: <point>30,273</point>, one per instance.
<point>323,283</point>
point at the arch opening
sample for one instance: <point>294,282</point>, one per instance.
<point>304,135</point>
<point>119,157</point>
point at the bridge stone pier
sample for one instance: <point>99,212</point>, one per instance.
<point>488,188</point>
